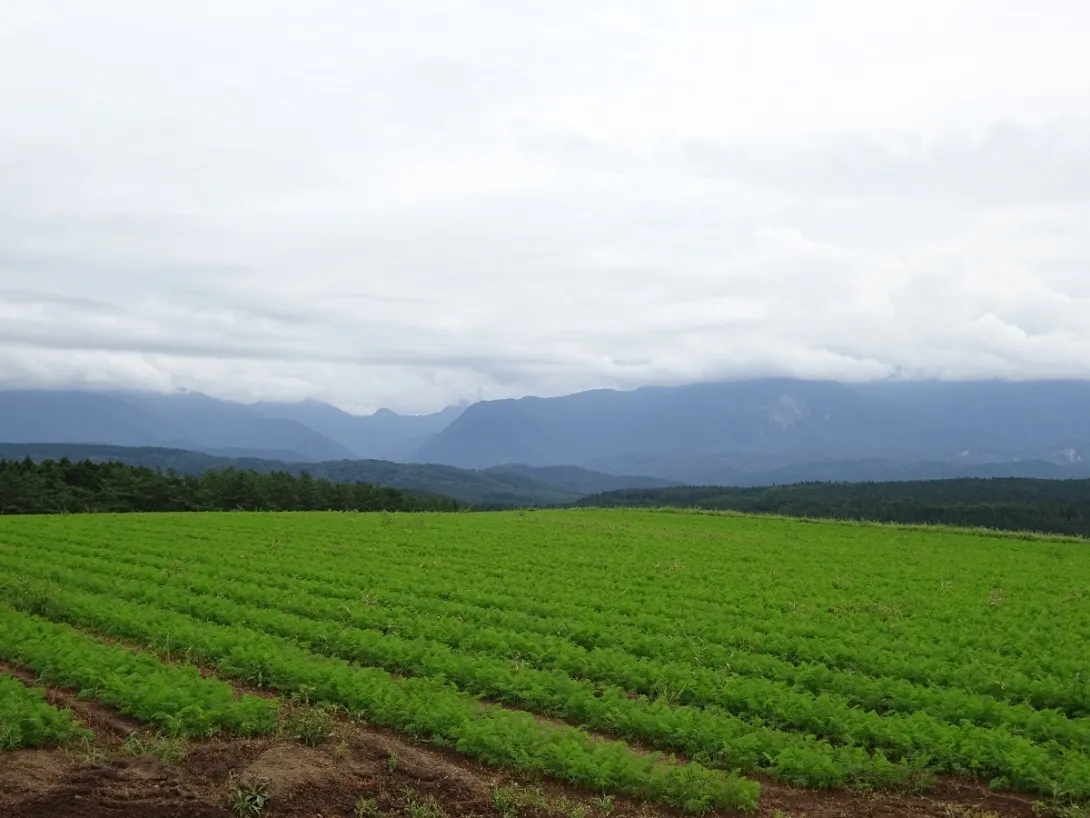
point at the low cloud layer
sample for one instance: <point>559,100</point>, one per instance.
<point>409,205</point>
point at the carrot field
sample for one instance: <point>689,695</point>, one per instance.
<point>677,658</point>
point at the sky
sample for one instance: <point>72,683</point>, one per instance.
<point>415,204</point>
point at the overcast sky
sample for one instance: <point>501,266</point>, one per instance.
<point>408,204</point>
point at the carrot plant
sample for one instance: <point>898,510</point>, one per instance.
<point>820,654</point>
<point>175,698</point>
<point>27,720</point>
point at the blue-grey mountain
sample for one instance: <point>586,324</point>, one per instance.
<point>384,435</point>
<point>718,432</point>
<point>185,421</point>
<point>732,433</point>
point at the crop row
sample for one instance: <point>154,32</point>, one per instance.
<point>532,635</point>
<point>27,720</point>
<point>709,732</point>
<point>656,595</point>
<point>690,668</point>
<point>425,707</point>
<point>828,664</point>
<point>175,698</point>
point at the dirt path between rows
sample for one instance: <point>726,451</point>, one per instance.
<point>374,768</point>
<point>366,763</point>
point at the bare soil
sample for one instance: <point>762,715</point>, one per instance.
<point>400,776</point>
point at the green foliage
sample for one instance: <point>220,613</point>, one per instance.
<point>423,806</point>
<point>504,802</point>
<point>419,706</point>
<point>821,655</point>
<point>27,720</point>
<point>1061,809</point>
<point>367,807</point>
<point>51,487</point>
<point>500,487</point>
<point>176,699</point>
<point>88,752</point>
<point>605,804</point>
<point>168,749</point>
<point>1008,503</point>
<point>300,721</point>
<point>247,795</point>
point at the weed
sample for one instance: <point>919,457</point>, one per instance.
<point>536,798</point>
<point>540,800</point>
<point>341,750</point>
<point>247,795</point>
<point>88,753</point>
<point>391,763</point>
<point>136,745</point>
<point>424,807</point>
<point>1054,809</point>
<point>503,801</point>
<point>367,808</point>
<point>919,781</point>
<point>168,749</point>
<point>301,721</point>
<point>605,804</point>
<point>952,811</point>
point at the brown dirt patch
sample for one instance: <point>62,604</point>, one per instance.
<point>950,798</point>
<point>366,762</point>
<point>329,780</point>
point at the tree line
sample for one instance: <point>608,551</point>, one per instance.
<point>1012,504</point>
<point>63,486</point>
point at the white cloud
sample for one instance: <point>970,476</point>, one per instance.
<point>408,205</point>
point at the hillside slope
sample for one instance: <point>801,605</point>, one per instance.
<point>1013,504</point>
<point>490,488</point>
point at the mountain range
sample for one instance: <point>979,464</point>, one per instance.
<point>747,432</point>
<point>731,433</point>
<point>305,431</point>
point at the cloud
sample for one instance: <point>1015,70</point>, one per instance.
<point>410,205</point>
<point>1006,163</point>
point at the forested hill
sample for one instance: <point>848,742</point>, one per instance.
<point>52,487</point>
<point>499,487</point>
<point>1015,504</point>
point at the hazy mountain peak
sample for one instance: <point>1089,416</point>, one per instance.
<point>699,432</point>
<point>787,410</point>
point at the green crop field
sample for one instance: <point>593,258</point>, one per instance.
<point>820,655</point>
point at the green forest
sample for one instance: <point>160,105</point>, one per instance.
<point>63,486</point>
<point>1012,504</point>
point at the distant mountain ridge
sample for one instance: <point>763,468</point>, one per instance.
<point>718,433</point>
<point>186,421</point>
<point>308,431</point>
<point>745,432</point>
<point>384,435</point>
